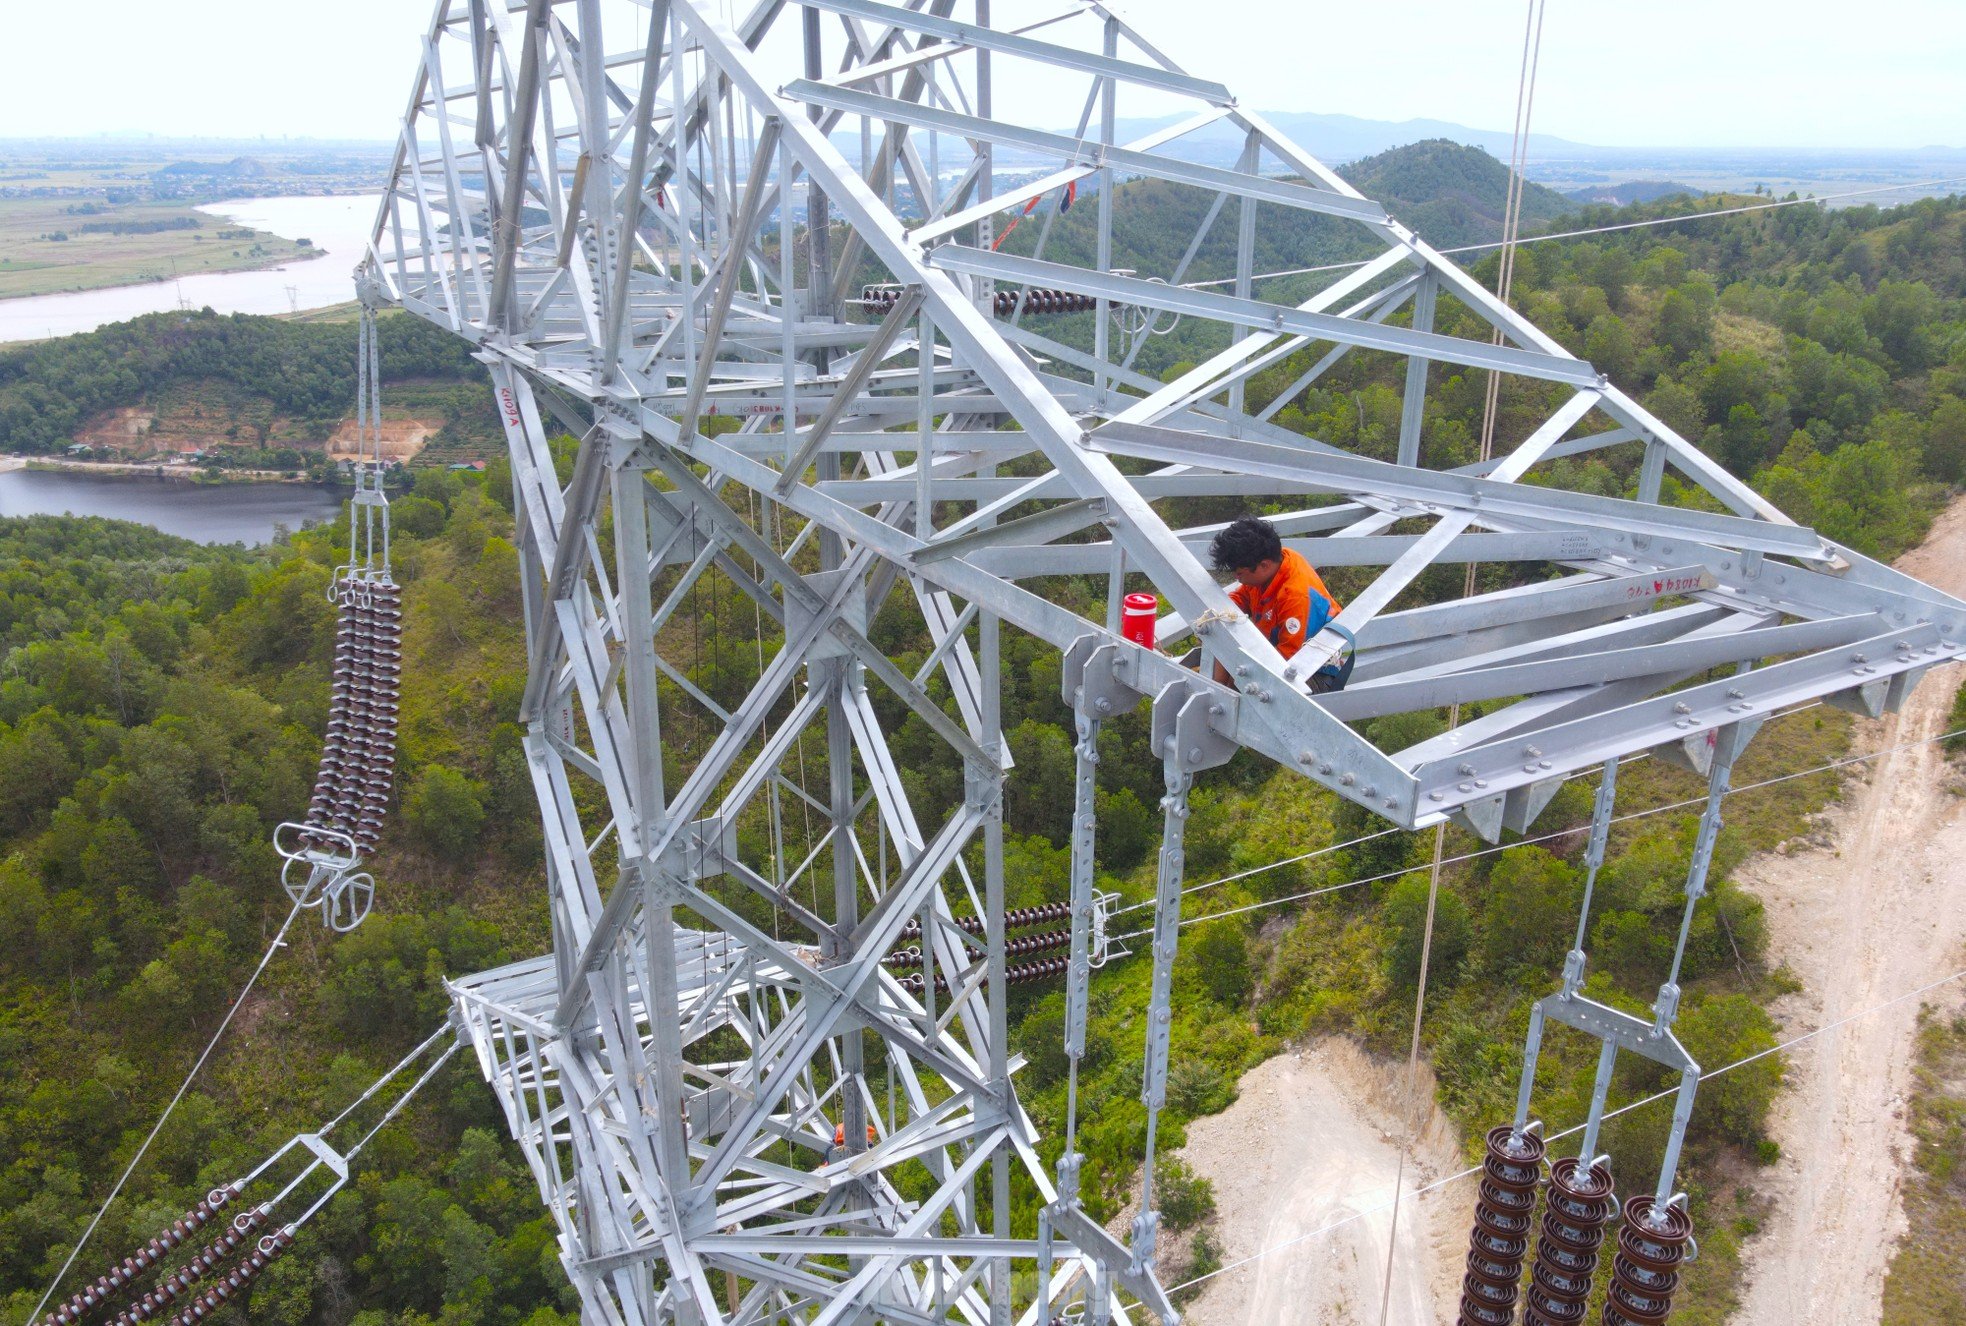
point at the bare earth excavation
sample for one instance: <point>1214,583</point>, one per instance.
<point>1313,1140</point>
<point>1880,910</point>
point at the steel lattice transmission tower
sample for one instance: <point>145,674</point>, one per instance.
<point>623,207</point>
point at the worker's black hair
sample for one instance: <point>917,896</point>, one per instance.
<point>1245,543</point>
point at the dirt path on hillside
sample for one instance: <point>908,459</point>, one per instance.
<point>1312,1139</point>
<point>1879,910</point>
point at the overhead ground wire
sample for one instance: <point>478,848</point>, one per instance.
<point>278,939</point>
<point>1605,230</point>
<point>1520,842</point>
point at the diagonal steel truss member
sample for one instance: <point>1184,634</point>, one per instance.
<point>651,224</point>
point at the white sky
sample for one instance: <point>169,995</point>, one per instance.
<point>1888,73</point>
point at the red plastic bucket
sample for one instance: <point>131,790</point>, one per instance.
<point>1138,615</point>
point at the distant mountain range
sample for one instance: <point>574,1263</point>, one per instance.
<point>1572,166</point>
<point>1339,138</point>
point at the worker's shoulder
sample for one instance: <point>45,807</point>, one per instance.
<point>1296,571</point>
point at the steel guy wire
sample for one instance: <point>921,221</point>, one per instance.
<point>1605,230</point>
<point>1654,1098</point>
<point>1524,842</point>
<point>278,939</point>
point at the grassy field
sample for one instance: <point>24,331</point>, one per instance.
<point>1927,1281</point>
<point>34,262</point>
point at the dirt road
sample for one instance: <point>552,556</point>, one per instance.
<point>1313,1139</point>
<point>1880,910</point>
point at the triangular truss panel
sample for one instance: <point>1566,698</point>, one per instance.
<point>753,260</point>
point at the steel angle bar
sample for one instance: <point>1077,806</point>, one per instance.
<point>1407,568</point>
<point>983,37</point>
<point>1555,707</point>
<point>1255,313</point>
<point>1373,308</point>
<point>1287,731</point>
<point>1396,694</point>
<point>1057,522</point>
<point>1514,465</point>
<point>887,1245</point>
<point>1689,459</point>
<point>1576,446</point>
<point>930,231</point>
<point>999,446</point>
<point>747,219</point>
<point>1075,150</point>
<point>709,772</point>
<point>867,946</point>
<point>1642,1036</point>
<point>1878,577</point>
<point>798,590</point>
<point>1826,589</point>
<point>1262,348</point>
<point>846,393</point>
<point>1150,545</point>
<point>1024,561</point>
<point>1544,637</point>
<point>1356,474</point>
<point>1582,742</point>
<point>1207,483</point>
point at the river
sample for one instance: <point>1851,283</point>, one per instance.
<point>205,513</point>
<point>339,227</point>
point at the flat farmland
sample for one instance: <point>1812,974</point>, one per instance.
<point>53,245</point>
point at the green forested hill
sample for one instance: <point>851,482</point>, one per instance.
<point>161,706</point>
<point>301,370</point>
<point>1450,195</point>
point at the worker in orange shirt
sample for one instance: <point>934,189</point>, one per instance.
<point>1281,593</point>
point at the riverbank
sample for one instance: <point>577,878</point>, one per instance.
<point>47,247</point>
<point>154,470</point>
<point>241,511</point>
<point>284,278</point>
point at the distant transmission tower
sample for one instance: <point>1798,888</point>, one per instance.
<point>293,298</point>
<point>764,1073</point>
